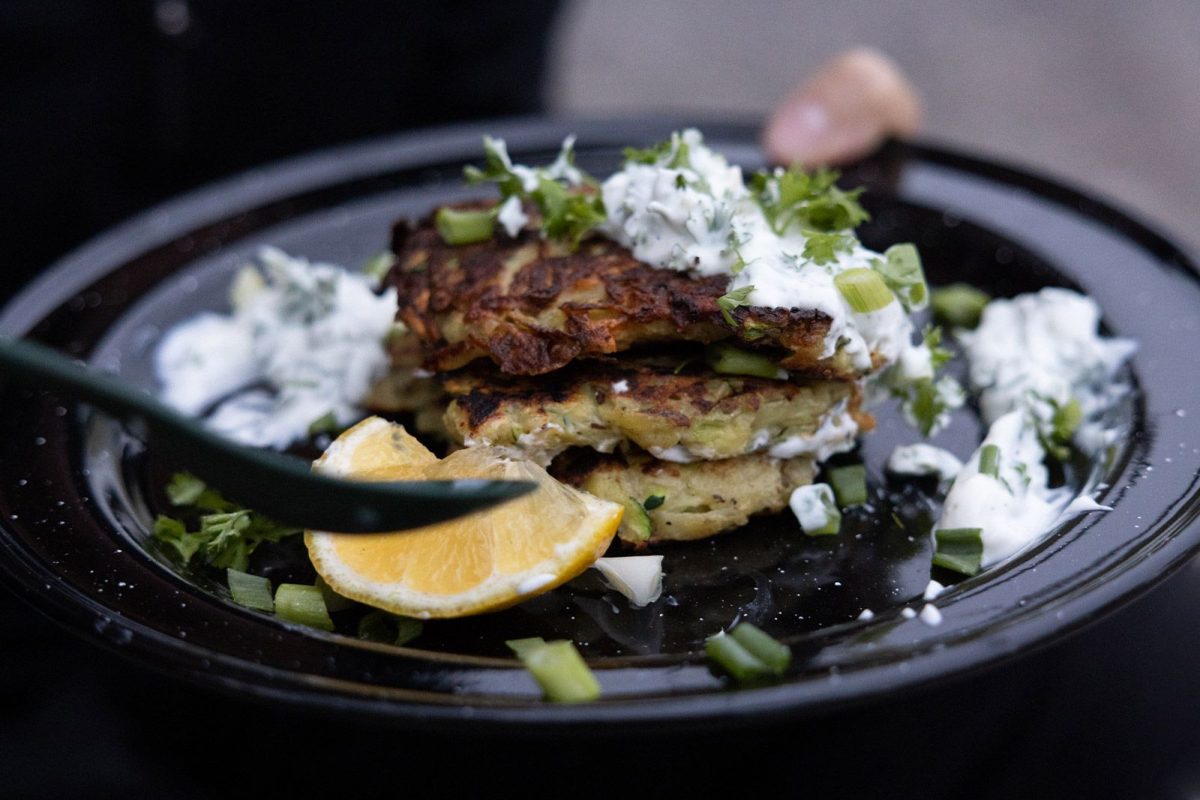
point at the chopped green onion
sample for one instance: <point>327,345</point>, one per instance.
<point>558,668</point>
<point>380,626</point>
<point>989,460</point>
<point>185,489</point>
<point>333,601</point>
<point>654,501</point>
<point>849,484</point>
<point>864,289</point>
<point>748,655</point>
<point>377,266</point>
<point>464,227</point>
<point>771,652</point>
<point>725,359</point>
<point>959,549</point>
<point>901,271</point>
<point>297,602</point>
<point>325,424</point>
<point>734,658</point>
<point>407,629</point>
<point>959,304</point>
<point>251,591</point>
<point>521,646</point>
<point>833,517</point>
<point>1066,419</point>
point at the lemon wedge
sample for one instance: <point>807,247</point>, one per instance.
<point>482,562</point>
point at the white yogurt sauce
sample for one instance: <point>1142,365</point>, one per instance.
<point>1033,348</point>
<point>1044,344</point>
<point>305,344</point>
<point>811,504</point>
<point>924,459</point>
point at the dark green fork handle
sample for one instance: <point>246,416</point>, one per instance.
<point>279,486</point>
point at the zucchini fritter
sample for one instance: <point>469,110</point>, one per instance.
<point>694,415</point>
<point>533,306</point>
<point>698,500</point>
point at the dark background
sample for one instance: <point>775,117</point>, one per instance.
<point>111,106</point>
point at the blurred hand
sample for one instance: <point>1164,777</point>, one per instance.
<point>843,112</point>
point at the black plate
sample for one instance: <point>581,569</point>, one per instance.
<point>76,493</point>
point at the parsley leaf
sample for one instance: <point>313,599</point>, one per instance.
<point>927,403</point>
<point>822,248</point>
<point>811,200</point>
<point>568,212</point>
<point>938,355</point>
<point>654,501</point>
<point>671,153</point>
<point>731,300</point>
<point>227,535</point>
<point>735,246</point>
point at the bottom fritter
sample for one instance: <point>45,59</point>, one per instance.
<point>698,500</point>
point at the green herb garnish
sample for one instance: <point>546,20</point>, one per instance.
<point>725,359</point>
<point>822,248</point>
<point>938,355</point>
<point>459,227</point>
<point>959,305</point>
<point>864,289</point>
<point>302,604</point>
<point>811,200</point>
<point>901,270</point>
<point>558,668</point>
<point>849,484</point>
<point>226,536</point>
<point>959,549</point>
<point>989,461</point>
<point>380,626</point>
<point>735,298</point>
<point>251,591</point>
<point>748,654</point>
<point>566,215</point>
<point>654,501</point>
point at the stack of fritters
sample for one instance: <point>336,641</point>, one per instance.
<point>592,363</point>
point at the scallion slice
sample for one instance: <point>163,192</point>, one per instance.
<point>297,602</point>
<point>901,271</point>
<point>251,591</point>
<point>334,602</point>
<point>380,626</point>
<point>725,359</point>
<point>864,289</point>
<point>959,549</point>
<point>959,305</point>
<point>989,460</point>
<point>849,484</point>
<point>770,651</point>
<point>558,668</point>
<point>464,227</point>
<point>747,656</point>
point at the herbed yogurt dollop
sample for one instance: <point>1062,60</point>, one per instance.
<point>1045,378</point>
<point>304,344</point>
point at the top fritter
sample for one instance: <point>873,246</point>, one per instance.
<point>674,247</point>
<point>533,305</point>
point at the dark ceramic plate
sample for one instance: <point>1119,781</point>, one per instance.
<point>77,493</point>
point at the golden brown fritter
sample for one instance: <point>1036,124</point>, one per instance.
<point>533,306</point>
<point>682,416</point>
<point>698,500</point>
